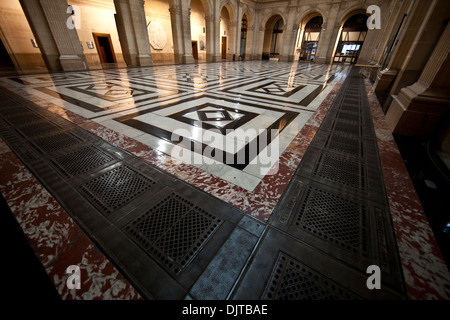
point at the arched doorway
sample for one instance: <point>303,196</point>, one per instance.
<point>308,43</point>
<point>351,39</point>
<point>198,30</point>
<point>272,38</point>
<point>226,33</point>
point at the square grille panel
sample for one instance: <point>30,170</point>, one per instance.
<point>116,188</point>
<point>37,128</point>
<point>343,170</point>
<point>23,118</point>
<point>335,220</point>
<point>173,232</point>
<point>350,128</point>
<point>57,141</point>
<point>292,280</point>
<point>345,144</point>
<point>83,160</point>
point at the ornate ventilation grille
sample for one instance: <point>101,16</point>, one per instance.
<point>82,160</point>
<point>115,188</point>
<point>334,219</point>
<point>173,231</point>
<point>292,280</point>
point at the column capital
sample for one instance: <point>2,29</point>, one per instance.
<point>209,17</point>
<point>175,9</point>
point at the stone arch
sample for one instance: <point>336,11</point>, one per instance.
<point>308,15</point>
<point>273,39</point>
<point>227,31</point>
<point>351,12</point>
<point>307,41</point>
<point>230,8</point>
<point>337,55</point>
<point>206,6</point>
<point>270,16</point>
<point>245,36</point>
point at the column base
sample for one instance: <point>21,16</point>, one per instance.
<point>382,86</point>
<point>72,63</point>
<point>187,58</point>
<point>417,110</point>
<point>214,58</point>
<point>384,80</point>
<point>144,60</point>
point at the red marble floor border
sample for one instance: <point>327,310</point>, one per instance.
<point>426,274</point>
<point>56,239</point>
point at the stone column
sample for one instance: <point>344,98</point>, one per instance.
<point>421,32</point>
<point>418,108</point>
<point>133,35</point>
<point>390,23</point>
<point>232,27</point>
<point>59,45</point>
<point>176,21</point>
<point>328,37</point>
<point>289,37</point>
<point>187,56</point>
<point>212,38</point>
<point>248,45</point>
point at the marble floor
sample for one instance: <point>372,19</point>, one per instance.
<point>235,130</point>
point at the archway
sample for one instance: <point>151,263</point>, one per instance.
<point>226,33</point>
<point>351,39</point>
<point>308,39</point>
<point>198,30</point>
<point>272,38</point>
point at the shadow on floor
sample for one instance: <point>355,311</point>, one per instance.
<point>24,277</point>
<point>432,187</point>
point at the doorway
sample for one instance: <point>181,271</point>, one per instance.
<point>351,39</point>
<point>243,37</point>
<point>224,47</point>
<point>195,49</point>
<point>310,39</point>
<point>104,47</point>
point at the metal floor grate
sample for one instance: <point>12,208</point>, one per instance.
<point>56,140</point>
<point>173,231</point>
<point>115,188</point>
<point>345,144</point>
<point>293,280</point>
<point>82,160</point>
<point>341,169</point>
<point>334,219</point>
<point>336,201</point>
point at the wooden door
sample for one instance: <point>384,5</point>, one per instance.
<point>224,47</point>
<point>195,49</point>
<point>104,47</point>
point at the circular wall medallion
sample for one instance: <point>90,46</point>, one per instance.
<point>157,35</point>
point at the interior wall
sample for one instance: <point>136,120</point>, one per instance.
<point>225,29</point>
<point>198,28</point>
<point>158,11</point>
<point>96,18</point>
<point>16,34</point>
